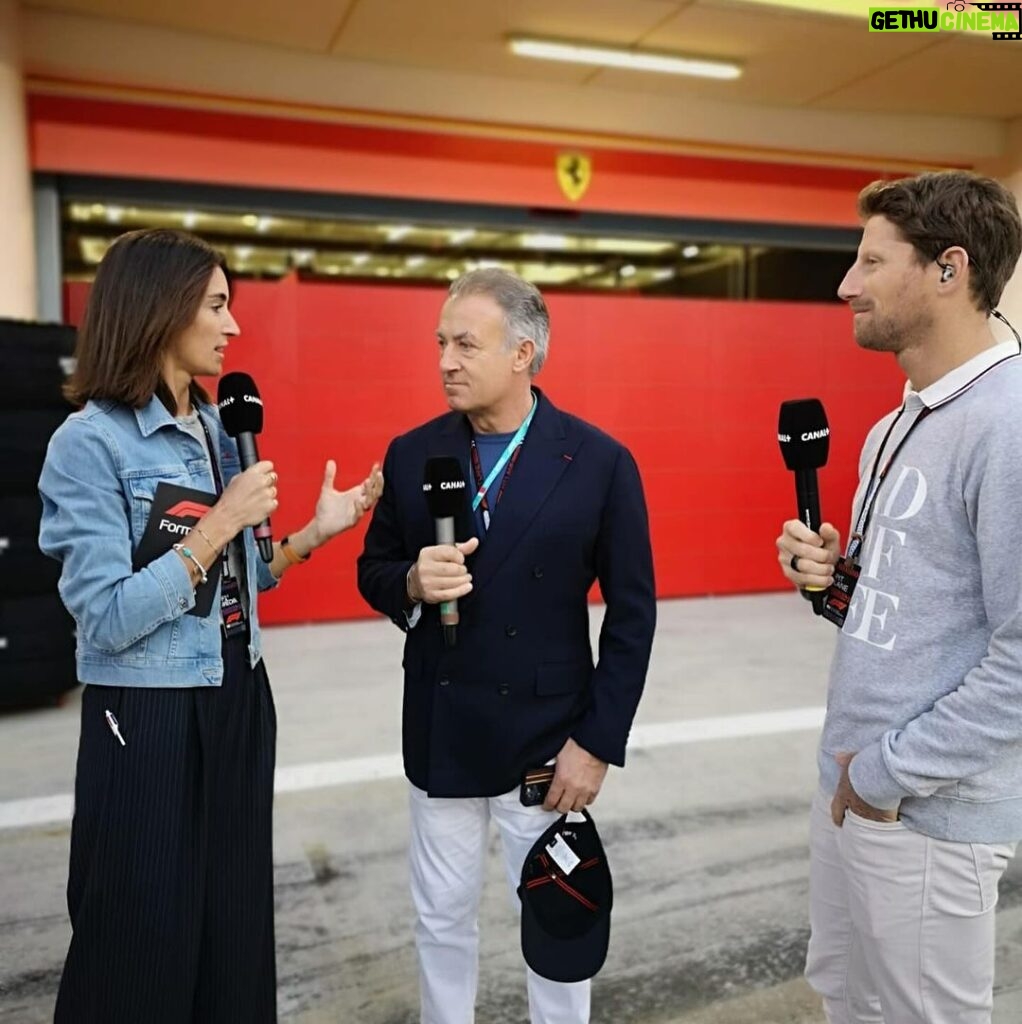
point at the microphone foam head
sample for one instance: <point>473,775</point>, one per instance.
<point>445,487</point>
<point>803,433</point>
<point>241,408</point>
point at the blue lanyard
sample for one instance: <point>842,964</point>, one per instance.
<point>505,455</point>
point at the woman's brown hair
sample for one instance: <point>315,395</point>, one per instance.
<point>148,290</point>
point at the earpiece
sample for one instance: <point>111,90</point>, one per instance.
<point>946,272</point>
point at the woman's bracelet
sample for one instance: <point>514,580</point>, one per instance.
<point>202,533</point>
<point>189,554</point>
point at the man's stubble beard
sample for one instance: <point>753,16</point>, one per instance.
<point>892,334</point>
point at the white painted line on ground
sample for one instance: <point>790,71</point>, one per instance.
<point>43,810</point>
<point>725,727</point>
<point>296,778</point>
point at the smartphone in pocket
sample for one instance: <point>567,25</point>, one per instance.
<point>535,785</point>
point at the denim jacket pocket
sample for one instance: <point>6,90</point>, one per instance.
<point>141,485</point>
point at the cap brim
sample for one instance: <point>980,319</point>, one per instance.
<point>564,960</point>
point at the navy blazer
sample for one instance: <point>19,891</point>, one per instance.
<point>521,679</point>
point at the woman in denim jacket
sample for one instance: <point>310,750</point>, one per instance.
<point>170,887</point>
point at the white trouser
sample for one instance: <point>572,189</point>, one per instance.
<point>902,924</point>
<point>448,861</point>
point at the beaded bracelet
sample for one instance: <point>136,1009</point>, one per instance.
<point>188,553</point>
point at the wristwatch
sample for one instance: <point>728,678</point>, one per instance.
<point>290,554</point>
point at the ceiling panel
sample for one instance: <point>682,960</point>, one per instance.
<point>305,25</point>
<point>456,35</point>
<point>790,58</point>
<point>958,76</point>
<point>597,21</point>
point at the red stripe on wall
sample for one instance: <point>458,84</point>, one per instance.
<point>691,386</point>
<point>98,137</point>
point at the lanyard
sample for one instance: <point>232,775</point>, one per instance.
<point>857,539</point>
<point>217,480</point>
<point>218,484</point>
<point>510,453</point>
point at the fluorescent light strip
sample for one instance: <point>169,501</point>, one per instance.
<point>636,60</point>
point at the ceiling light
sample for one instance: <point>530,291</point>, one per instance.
<point>630,245</point>
<point>415,261</point>
<point>544,241</point>
<point>689,251</point>
<point>398,232</point>
<point>627,270</point>
<point>190,219</point>
<point>359,258</point>
<point>114,213</point>
<point>457,237</point>
<point>250,220</point>
<point>614,57</point>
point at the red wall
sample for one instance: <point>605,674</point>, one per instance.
<point>691,386</point>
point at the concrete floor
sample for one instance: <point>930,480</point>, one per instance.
<point>705,830</point>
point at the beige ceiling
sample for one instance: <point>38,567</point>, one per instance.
<point>791,59</point>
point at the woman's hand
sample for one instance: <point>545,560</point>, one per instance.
<point>250,497</point>
<point>337,511</point>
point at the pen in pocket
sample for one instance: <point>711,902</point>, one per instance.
<point>114,727</point>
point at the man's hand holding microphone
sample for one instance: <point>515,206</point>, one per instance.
<point>808,558</point>
<point>440,574</point>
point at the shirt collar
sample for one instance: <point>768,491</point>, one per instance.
<point>961,378</point>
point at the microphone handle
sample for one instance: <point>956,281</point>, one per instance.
<point>448,609</point>
<point>807,493</point>
<point>248,453</point>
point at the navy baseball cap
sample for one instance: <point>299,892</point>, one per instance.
<point>566,895</point>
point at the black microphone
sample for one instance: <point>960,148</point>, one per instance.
<point>241,412</point>
<point>445,488</point>
<point>804,437</point>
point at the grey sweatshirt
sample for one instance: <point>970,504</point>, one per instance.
<point>926,683</point>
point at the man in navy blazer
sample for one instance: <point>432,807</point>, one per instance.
<point>556,504</point>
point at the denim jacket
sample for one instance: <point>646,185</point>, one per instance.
<point>97,485</point>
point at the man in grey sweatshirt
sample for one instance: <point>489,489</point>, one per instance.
<point>920,762</point>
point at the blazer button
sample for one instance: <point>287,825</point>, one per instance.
<point>503,689</point>
<point>445,682</point>
<point>537,572</point>
<point>510,632</point>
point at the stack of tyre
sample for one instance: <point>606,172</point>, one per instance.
<point>37,640</point>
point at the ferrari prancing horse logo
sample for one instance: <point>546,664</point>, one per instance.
<point>574,172</point>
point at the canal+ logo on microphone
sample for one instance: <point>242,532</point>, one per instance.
<point>1002,20</point>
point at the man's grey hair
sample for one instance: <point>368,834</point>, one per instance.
<point>525,312</point>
